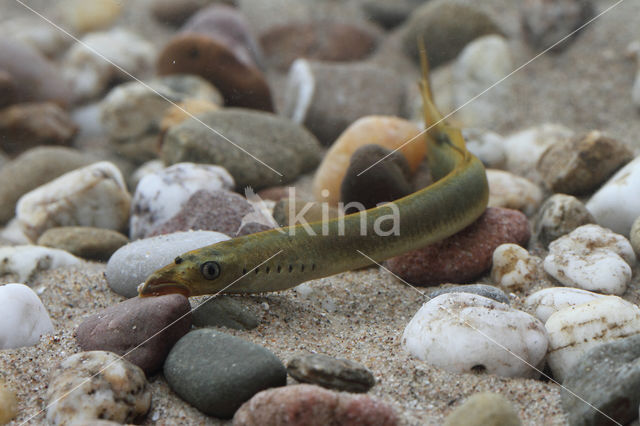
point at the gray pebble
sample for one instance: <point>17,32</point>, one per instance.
<point>224,312</point>
<point>333,373</point>
<point>483,290</point>
<point>558,216</point>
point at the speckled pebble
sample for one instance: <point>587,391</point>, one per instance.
<point>313,406</point>
<point>513,192</point>
<point>23,317</point>
<point>96,385</point>
<point>483,290</point>
<point>224,311</point>
<point>548,301</point>
<point>559,215</point>
<point>515,269</point>
<point>142,330</point>
<point>484,409</point>
<point>592,258</point>
<point>332,373</point>
<point>84,241</point>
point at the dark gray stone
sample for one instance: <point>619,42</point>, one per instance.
<point>483,290</point>
<point>217,372</point>
<point>224,311</point>
<point>332,373</point>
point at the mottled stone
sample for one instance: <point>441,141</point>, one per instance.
<point>23,317</point>
<point>25,261</point>
<point>559,215</point>
<point>548,301</point>
<point>314,406</point>
<point>513,192</point>
<point>483,290</point>
<point>142,330</point>
<point>224,311</point>
<point>84,241</point>
<point>465,255</point>
<point>332,373</point>
<point>546,22</point>
<point>484,409</point>
<point>514,269</point>
<point>97,385</point>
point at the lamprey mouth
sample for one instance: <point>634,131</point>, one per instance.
<point>154,288</point>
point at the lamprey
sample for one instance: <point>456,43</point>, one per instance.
<point>247,264</point>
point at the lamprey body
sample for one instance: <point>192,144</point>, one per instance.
<point>458,197</point>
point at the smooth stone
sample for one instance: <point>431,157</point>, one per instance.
<point>317,406</point>
<point>448,25</point>
<point>524,148</point>
<point>32,169</point>
<point>217,210</point>
<point>513,192</point>
<point>23,317</point>
<point>608,377</point>
<point>217,372</point>
<point>153,166</point>
<point>327,97</point>
<point>132,264</point>
<point>634,236</point>
<point>95,195</point>
<point>142,330</point>
<point>295,211</point>
<point>332,373</point>
<point>606,204</point>
<point>386,182</point>
<point>8,404</point>
<point>548,301</point>
<point>83,241</point>
<point>559,215</point>
<point>487,146</point>
<point>386,131</point>
<point>176,13</point>
<point>514,269</point>
<point>27,125</point>
<point>580,165</point>
<point>278,142</point>
<point>224,311</point>
<point>37,33</point>
<point>184,110</point>
<point>483,290</point>
<point>545,23</point>
<point>90,75</point>
<point>484,409</point>
<point>458,332</point>
<point>97,385</point>
<point>592,258</point>
<point>465,255</point>
<point>27,260</point>
<point>482,63</point>
<point>574,330</point>
<point>85,16</point>
<point>161,195</point>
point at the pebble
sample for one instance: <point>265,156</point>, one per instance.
<point>448,25</point>
<point>545,23</point>
<point>332,373</point>
<point>559,215</point>
<point>217,372</point>
<point>224,311</point>
<point>313,406</point>
<point>386,131</point>
<point>482,63</point>
<point>33,168</point>
<point>95,195</point>
<point>142,330</point>
<point>85,16</point>
<point>37,33</point>
<point>387,181</point>
<point>161,195</point>
<point>635,236</point>
<point>389,15</point>
<point>293,211</point>
<point>8,89</point>
<point>548,301</point>
<point>176,114</point>
<point>574,330</point>
<point>458,332</point>
<point>26,260</point>
<point>131,264</point>
<point>318,40</point>
<point>592,258</point>
<point>33,77</point>
<point>219,210</point>
<point>608,377</point>
<point>27,125</point>
<point>486,145</point>
<point>8,404</point>
<point>84,241</point>
<point>606,205</point>
<point>465,255</point>
<point>484,409</point>
<point>514,269</point>
<point>280,143</point>
<point>23,317</point>
<point>176,13</point>
<point>525,148</point>
<point>513,192</point>
<point>483,290</point>
<point>581,164</point>
<point>97,385</point>
<point>327,97</point>
<point>90,75</point>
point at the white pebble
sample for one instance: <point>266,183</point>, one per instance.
<point>467,333</point>
<point>548,301</point>
<point>95,195</point>
<point>616,204</point>
<point>576,329</point>
<point>26,260</point>
<point>161,195</point>
<point>513,192</point>
<point>592,258</point>
<point>487,146</point>
<point>23,317</point>
<point>514,268</point>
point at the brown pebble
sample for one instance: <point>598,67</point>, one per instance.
<point>84,241</point>
<point>333,373</point>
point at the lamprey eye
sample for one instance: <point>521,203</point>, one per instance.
<point>210,270</point>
